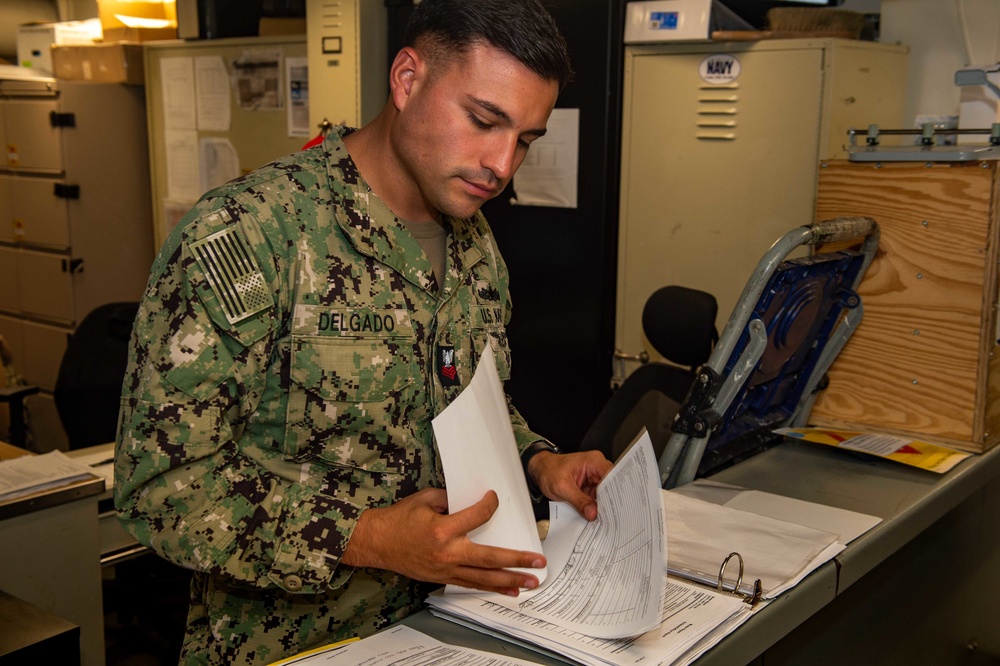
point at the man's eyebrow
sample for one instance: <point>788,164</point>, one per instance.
<point>503,115</point>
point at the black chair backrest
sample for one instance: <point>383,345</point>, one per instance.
<point>89,384</point>
<point>680,324</point>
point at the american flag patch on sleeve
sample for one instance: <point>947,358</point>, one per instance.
<point>233,274</point>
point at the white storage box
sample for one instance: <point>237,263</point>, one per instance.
<point>34,40</point>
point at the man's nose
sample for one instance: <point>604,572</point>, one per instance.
<point>501,157</point>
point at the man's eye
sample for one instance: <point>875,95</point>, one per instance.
<point>478,122</point>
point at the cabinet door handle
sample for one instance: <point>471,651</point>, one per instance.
<point>65,191</point>
<point>72,266</point>
<point>62,119</point>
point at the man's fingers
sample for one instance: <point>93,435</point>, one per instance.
<point>494,580</point>
<point>585,505</point>
<point>478,514</point>
<point>436,498</point>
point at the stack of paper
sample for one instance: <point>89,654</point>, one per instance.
<point>692,620</point>
<point>397,646</point>
<point>31,474</point>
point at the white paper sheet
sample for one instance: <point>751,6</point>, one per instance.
<point>219,162</point>
<point>689,616</point>
<point>779,553</point>
<point>212,90</point>
<point>402,646</point>
<point>177,88</point>
<point>848,525</point>
<point>548,175</point>
<point>478,454</point>
<point>28,474</point>
<point>183,171</point>
<point>606,575</point>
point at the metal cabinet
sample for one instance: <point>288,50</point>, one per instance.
<point>721,144</point>
<point>75,215</point>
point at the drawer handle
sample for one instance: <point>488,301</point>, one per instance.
<point>72,266</point>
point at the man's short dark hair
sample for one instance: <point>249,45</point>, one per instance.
<point>522,28</point>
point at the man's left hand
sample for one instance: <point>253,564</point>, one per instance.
<point>570,477</point>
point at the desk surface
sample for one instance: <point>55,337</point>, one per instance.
<point>907,499</point>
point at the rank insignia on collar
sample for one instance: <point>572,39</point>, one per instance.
<point>446,366</point>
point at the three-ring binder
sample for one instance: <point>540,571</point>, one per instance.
<point>751,598</point>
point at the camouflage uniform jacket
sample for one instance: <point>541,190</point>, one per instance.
<point>283,373</point>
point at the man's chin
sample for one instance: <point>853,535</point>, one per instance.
<point>464,210</point>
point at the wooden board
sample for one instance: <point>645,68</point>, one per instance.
<point>919,363</point>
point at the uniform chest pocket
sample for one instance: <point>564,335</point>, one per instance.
<point>347,398</point>
<point>495,338</point>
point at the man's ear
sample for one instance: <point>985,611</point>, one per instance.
<point>404,74</point>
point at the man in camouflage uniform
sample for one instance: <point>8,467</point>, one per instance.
<point>296,339</point>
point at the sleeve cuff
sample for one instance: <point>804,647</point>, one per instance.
<point>530,452</point>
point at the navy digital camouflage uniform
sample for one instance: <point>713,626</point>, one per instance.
<point>287,359</point>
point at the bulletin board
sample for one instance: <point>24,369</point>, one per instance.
<point>218,109</point>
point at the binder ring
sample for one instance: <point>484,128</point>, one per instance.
<point>722,572</point>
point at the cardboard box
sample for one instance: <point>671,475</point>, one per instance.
<point>125,34</point>
<point>270,25</point>
<point>111,11</point>
<point>106,63</point>
<point>35,39</point>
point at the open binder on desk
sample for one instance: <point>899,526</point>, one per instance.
<point>709,591</point>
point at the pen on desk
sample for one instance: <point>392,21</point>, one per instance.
<point>102,462</point>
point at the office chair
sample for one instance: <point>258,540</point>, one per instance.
<point>680,324</point>
<point>89,382</point>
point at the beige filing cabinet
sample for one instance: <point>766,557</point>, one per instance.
<point>721,144</point>
<point>348,71</point>
<point>75,218</point>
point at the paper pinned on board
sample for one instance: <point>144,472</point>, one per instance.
<point>548,175</point>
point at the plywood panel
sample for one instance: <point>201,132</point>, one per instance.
<point>917,364</point>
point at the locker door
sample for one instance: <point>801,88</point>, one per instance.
<point>10,293</point>
<point>38,214</point>
<point>3,129</point>
<point>44,347</point>
<point>712,173</point>
<point>44,285</point>
<point>33,144</point>
<point>12,330</point>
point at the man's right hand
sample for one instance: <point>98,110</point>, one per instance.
<point>419,539</point>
